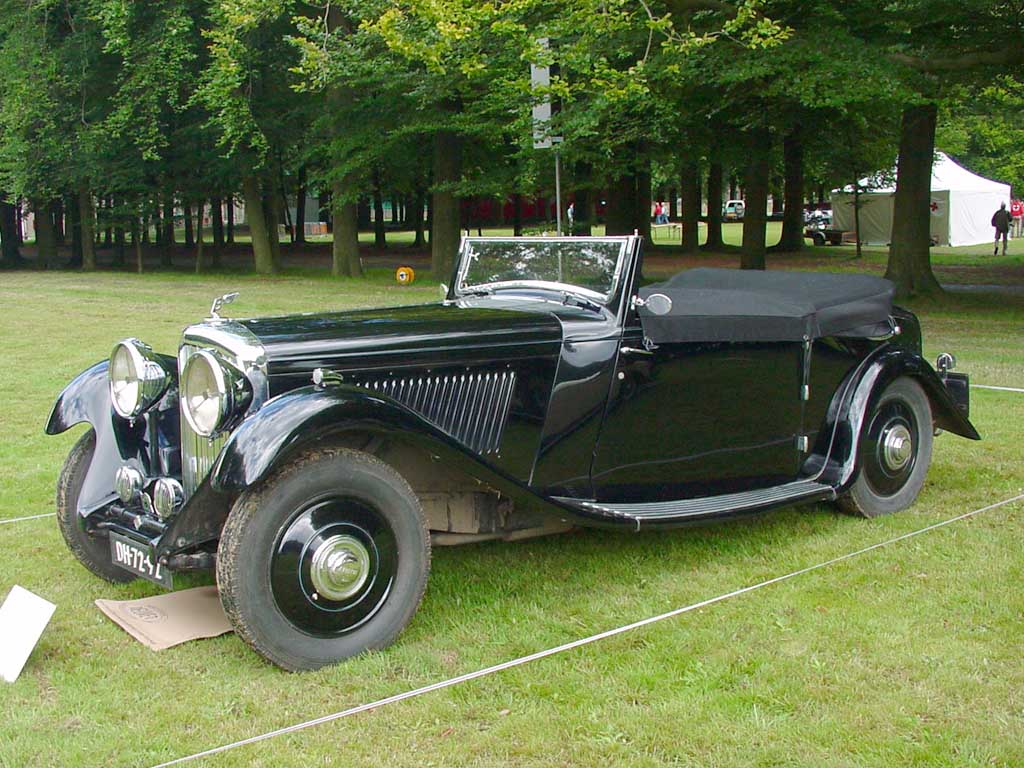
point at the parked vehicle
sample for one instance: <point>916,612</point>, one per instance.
<point>313,460</point>
<point>818,228</point>
<point>733,210</point>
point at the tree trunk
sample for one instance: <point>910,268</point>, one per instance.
<point>776,193</point>
<point>108,234</point>
<point>263,255</point>
<point>58,220</point>
<point>190,237</point>
<point>119,245</point>
<point>363,213</point>
<point>323,201</point>
<point>792,238</point>
<point>75,225</point>
<point>621,215</point>
<point>272,211</point>
<point>909,252</point>
<point>200,256</point>
<point>345,249</point>
<point>673,207</point>
<point>689,183</point>
<point>231,219</point>
<point>583,200</point>
<point>856,214</point>
<point>714,238</point>
<point>46,236</point>
<point>756,190</point>
<point>88,218</point>
<point>445,232</point>
<point>643,201</point>
<point>300,207</point>
<point>9,254</point>
<point>733,183</point>
<point>380,241</point>
<point>417,218</point>
<point>517,215</point>
<point>139,226</point>
<point>167,238</point>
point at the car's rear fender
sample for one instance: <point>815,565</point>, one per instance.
<point>835,456</point>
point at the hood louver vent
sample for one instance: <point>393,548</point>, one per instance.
<point>471,407</point>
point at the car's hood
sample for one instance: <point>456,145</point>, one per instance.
<point>402,337</point>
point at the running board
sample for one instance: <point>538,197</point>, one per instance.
<point>708,506</point>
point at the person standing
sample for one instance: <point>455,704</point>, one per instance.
<point>1017,211</point>
<point>1001,221</point>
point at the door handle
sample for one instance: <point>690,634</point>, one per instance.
<point>634,351</point>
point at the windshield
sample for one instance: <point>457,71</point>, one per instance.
<point>586,265</point>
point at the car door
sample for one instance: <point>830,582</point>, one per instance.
<point>691,420</point>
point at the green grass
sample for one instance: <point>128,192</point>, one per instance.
<point>910,655</point>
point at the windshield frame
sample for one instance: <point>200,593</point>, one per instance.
<point>461,289</point>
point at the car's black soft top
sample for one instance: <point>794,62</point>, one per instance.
<point>749,305</point>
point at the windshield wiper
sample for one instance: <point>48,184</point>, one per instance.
<point>579,301</point>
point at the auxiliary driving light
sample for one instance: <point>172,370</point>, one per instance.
<point>167,496</point>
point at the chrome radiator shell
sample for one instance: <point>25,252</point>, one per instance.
<point>238,346</point>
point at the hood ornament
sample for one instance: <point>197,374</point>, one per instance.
<point>219,302</point>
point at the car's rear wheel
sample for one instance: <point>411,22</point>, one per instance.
<point>91,548</point>
<point>894,454</point>
<point>326,559</point>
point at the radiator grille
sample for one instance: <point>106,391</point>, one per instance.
<point>471,407</point>
<point>197,453</point>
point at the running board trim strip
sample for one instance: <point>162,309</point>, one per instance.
<point>681,509</point>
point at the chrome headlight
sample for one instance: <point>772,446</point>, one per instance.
<point>213,393</point>
<point>138,378</point>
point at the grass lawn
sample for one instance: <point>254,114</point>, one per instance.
<point>910,655</point>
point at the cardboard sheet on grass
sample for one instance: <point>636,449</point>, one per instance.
<point>169,619</point>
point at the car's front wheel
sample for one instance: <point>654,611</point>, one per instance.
<point>894,454</point>
<point>91,548</point>
<point>326,559</point>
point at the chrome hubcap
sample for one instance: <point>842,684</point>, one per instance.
<point>897,447</point>
<point>340,567</point>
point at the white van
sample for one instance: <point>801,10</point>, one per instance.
<point>733,210</point>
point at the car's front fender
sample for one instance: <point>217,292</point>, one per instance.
<point>87,400</point>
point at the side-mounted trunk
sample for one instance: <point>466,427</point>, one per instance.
<point>909,255</point>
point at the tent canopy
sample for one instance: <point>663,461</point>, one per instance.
<point>962,205</point>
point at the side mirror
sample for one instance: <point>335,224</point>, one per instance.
<point>656,303</point>
<point>443,290</point>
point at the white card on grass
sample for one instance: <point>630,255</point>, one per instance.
<point>23,617</point>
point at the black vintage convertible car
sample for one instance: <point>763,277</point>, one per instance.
<point>312,460</point>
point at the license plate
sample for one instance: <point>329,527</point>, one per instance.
<point>138,559</point>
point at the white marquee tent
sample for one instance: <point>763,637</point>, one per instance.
<point>962,206</point>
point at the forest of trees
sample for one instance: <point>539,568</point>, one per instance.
<point>114,113</point>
